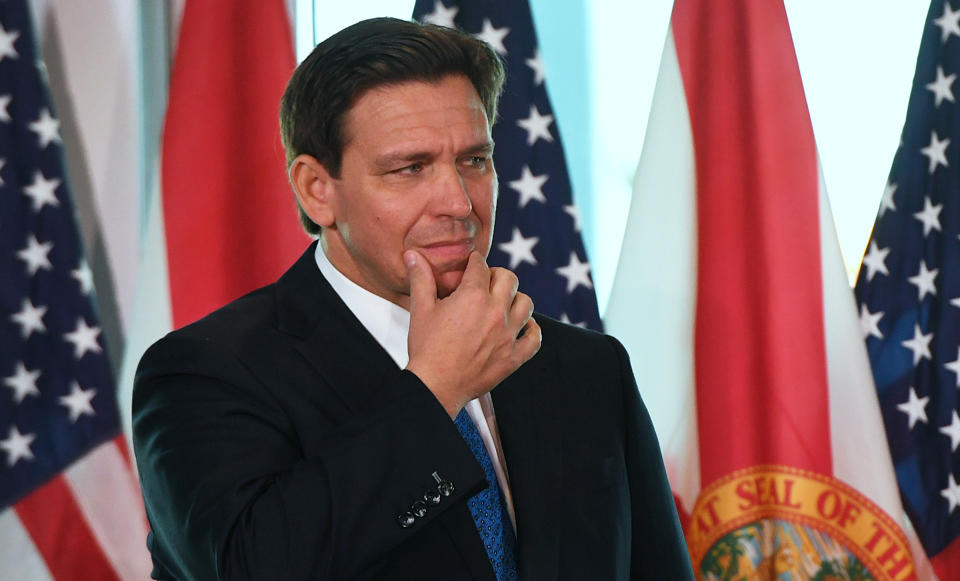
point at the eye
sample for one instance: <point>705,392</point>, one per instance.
<point>478,161</point>
<point>413,168</point>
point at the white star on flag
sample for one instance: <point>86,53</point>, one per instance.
<point>493,36</point>
<point>23,382</point>
<point>954,366</point>
<point>942,87</point>
<point>537,126</point>
<point>78,402</point>
<point>84,465</point>
<point>952,430</point>
<point>565,319</point>
<point>47,129</point>
<point>6,44</point>
<point>84,276</point>
<point>930,216</point>
<point>952,494</point>
<point>949,23</point>
<point>920,345</point>
<point>936,152</point>
<point>886,202</point>
<point>84,339</point>
<point>536,65</point>
<point>575,214</point>
<point>955,302</point>
<point>441,15</point>
<point>869,323</point>
<point>529,186</point>
<point>17,446</point>
<point>35,255</point>
<point>577,273</point>
<point>915,408</point>
<point>519,248</point>
<point>923,280</point>
<point>875,260</point>
<point>42,191</point>
<point>30,318</point>
<point>922,236</point>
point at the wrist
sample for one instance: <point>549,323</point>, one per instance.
<point>446,397</point>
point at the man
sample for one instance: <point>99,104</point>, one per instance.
<point>390,408</point>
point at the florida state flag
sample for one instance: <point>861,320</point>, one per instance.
<point>732,299</point>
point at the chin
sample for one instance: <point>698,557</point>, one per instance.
<point>447,282</point>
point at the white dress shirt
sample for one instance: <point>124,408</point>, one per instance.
<point>389,324</point>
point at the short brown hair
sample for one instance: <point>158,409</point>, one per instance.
<point>369,54</point>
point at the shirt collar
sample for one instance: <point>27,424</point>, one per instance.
<point>388,323</point>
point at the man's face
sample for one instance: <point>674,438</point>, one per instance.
<point>417,173</point>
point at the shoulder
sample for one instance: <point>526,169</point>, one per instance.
<point>230,329</point>
<point>249,325</point>
<point>572,346</point>
<point>585,369</point>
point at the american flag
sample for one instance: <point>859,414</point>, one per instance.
<point>908,291</point>
<point>66,487</point>
<point>537,232</point>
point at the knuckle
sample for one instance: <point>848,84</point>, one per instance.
<point>475,293</point>
<point>534,331</point>
<point>524,300</point>
<point>511,278</point>
<point>505,277</point>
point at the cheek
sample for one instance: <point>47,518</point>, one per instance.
<point>396,219</point>
<point>485,207</point>
<point>483,197</point>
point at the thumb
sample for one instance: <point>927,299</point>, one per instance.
<point>423,287</point>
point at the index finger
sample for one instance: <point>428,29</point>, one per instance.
<point>477,273</point>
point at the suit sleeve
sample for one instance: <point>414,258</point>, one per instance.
<point>658,547</point>
<point>231,494</point>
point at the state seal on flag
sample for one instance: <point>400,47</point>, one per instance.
<point>778,522</point>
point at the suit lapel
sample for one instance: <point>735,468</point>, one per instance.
<point>532,447</point>
<point>332,340</point>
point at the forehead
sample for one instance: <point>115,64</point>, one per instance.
<point>417,108</point>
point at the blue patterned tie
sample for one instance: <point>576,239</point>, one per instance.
<point>489,509</point>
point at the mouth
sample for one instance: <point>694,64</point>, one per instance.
<point>448,254</point>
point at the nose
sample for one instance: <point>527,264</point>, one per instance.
<point>450,196</point>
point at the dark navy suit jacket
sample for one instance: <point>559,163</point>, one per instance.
<point>276,440</point>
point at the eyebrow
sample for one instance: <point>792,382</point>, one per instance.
<point>392,159</point>
<point>482,147</point>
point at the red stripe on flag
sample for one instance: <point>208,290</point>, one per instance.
<point>229,213</point>
<point>58,529</point>
<point>946,563</point>
<point>121,442</point>
<point>760,355</point>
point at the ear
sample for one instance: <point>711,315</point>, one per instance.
<point>313,185</point>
